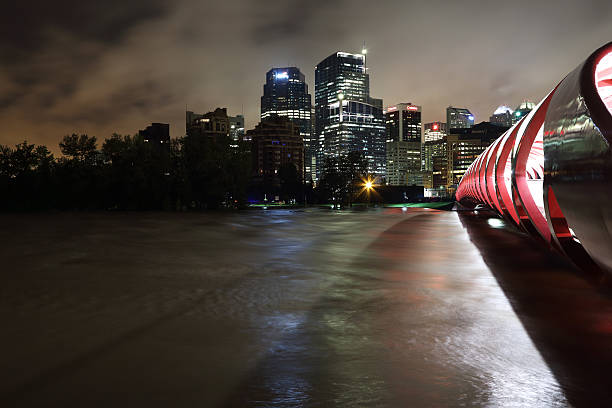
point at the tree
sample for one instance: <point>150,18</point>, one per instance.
<point>341,177</point>
<point>333,182</point>
<point>290,182</point>
<point>78,147</point>
<point>354,166</point>
<point>25,176</point>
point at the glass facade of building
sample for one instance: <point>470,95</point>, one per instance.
<point>521,111</point>
<point>286,94</point>
<point>346,117</point>
<point>502,116</point>
<point>236,129</point>
<point>459,118</point>
<point>434,131</point>
<point>403,126</point>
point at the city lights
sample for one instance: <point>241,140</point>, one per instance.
<point>282,75</point>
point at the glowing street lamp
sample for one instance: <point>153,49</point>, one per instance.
<point>368,187</point>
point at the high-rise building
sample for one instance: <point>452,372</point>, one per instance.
<point>347,118</point>
<point>459,118</point>
<point>276,141</point>
<point>434,131</point>
<point>156,133</point>
<point>403,128</point>
<point>434,144</point>
<point>236,124</point>
<point>522,110</point>
<point>439,183</point>
<point>464,146</point>
<point>212,124</point>
<point>502,116</point>
<point>430,149</point>
<point>285,93</point>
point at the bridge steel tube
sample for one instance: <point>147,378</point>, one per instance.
<point>551,173</point>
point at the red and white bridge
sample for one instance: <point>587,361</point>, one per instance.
<point>551,173</point>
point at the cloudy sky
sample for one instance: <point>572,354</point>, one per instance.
<point>99,67</point>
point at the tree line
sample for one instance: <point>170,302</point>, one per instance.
<point>128,173</point>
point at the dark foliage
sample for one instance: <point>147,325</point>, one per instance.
<point>127,173</point>
<point>342,178</point>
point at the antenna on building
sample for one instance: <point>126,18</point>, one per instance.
<point>364,51</point>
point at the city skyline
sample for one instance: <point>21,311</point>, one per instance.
<point>143,63</point>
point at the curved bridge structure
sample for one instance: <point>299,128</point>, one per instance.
<point>551,173</point>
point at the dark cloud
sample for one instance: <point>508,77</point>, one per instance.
<point>289,19</point>
<point>97,67</point>
<point>24,24</point>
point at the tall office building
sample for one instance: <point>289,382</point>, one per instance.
<point>522,110</point>
<point>212,124</point>
<point>464,146</point>
<point>347,118</point>
<point>403,129</point>
<point>502,116</point>
<point>276,141</point>
<point>157,134</point>
<point>459,118</point>
<point>434,131</point>
<point>286,94</point>
<point>431,149</point>
<point>236,124</point>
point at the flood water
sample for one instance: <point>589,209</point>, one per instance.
<point>416,308</point>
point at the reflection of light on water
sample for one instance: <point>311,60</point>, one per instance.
<point>496,223</point>
<point>492,345</point>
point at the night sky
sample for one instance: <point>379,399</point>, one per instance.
<point>99,67</point>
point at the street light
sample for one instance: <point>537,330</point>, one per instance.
<point>368,186</point>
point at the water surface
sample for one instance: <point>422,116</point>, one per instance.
<point>261,308</point>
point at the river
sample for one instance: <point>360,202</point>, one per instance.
<point>280,308</point>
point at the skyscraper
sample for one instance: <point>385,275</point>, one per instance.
<point>434,144</point>
<point>286,94</point>
<point>464,146</point>
<point>522,110</point>
<point>347,117</point>
<point>236,124</point>
<point>502,116</point>
<point>459,118</point>
<point>276,143</point>
<point>434,131</point>
<point>403,127</point>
